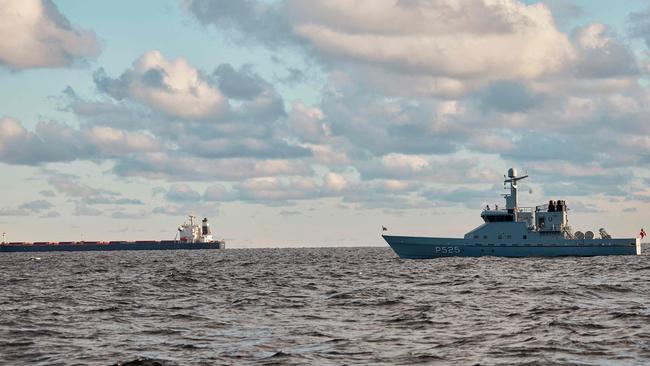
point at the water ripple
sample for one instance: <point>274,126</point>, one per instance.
<point>320,306</point>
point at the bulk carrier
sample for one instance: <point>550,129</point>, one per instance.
<point>190,236</point>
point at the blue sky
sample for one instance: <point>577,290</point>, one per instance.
<point>293,123</point>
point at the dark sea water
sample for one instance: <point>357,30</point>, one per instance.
<point>321,306</point>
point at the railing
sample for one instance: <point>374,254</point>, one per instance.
<point>494,211</point>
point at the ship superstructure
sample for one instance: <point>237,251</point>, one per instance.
<point>190,236</point>
<point>516,231</point>
<point>190,232</point>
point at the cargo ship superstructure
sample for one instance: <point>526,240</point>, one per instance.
<point>189,236</point>
<point>515,231</point>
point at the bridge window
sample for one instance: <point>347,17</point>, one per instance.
<point>525,237</point>
<point>484,236</point>
<point>475,236</point>
<point>499,218</point>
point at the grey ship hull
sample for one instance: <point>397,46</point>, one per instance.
<point>409,247</point>
<point>112,246</point>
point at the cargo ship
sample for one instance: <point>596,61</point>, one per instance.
<point>540,231</point>
<point>189,236</point>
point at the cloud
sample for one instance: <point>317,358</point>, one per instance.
<point>183,209</point>
<point>271,189</point>
<point>182,193</point>
<point>295,76</point>
<point>482,40</point>
<point>50,215</point>
<point>56,142</point>
<point>565,10</point>
<point>239,84</point>
<point>404,163</point>
<point>509,96</point>
<point>113,142</point>
<point>248,128</point>
<point>30,208</point>
<point>6,211</point>
<point>84,195</point>
<point>639,25</point>
<point>382,125</point>
<point>19,146</point>
<point>308,123</point>
<point>289,213</point>
<point>35,34</point>
<point>247,20</point>
<point>218,193</point>
<point>173,87</point>
<point>407,169</point>
<point>183,168</point>
<point>241,147</point>
<point>439,42</point>
<point>470,198</point>
<point>416,95</point>
<point>123,215</point>
<point>334,182</point>
<point>601,55</point>
<point>82,209</point>
<point>36,205</point>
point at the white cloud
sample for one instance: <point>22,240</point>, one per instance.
<point>479,40</point>
<point>182,93</point>
<point>35,34</point>
<point>172,86</point>
<point>113,142</point>
<point>56,142</point>
<point>273,189</point>
<point>169,166</point>
<point>334,182</point>
<point>593,36</point>
<point>308,123</point>
<point>402,162</point>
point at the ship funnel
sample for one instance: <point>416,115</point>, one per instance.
<point>205,228</point>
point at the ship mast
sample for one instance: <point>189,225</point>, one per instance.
<point>511,199</point>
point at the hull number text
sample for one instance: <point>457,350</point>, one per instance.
<point>447,250</point>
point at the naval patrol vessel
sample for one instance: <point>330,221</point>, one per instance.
<point>541,231</point>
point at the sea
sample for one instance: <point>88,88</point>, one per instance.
<point>321,306</point>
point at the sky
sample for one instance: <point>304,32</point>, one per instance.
<point>313,123</point>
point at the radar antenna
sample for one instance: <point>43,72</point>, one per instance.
<point>511,199</point>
